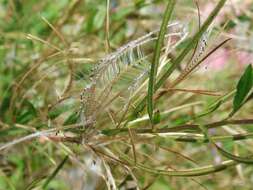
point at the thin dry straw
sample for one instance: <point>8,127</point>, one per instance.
<point>26,138</point>
<point>44,133</point>
<point>110,181</point>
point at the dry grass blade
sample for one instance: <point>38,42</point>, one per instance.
<point>133,145</point>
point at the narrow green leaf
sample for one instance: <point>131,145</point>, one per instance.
<point>111,132</point>
<point>27,113</point>
<point>58,168</point>
<point>35,182</point>
<point>244,86</point>
<point>73,118</point>
<point>209,110</point>
<point>156,57</point>
<point>245,160</point>
<point>190,44</point>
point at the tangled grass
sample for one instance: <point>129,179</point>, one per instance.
<point>79,110</point>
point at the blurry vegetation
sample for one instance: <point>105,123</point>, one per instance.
<point>81,110</point>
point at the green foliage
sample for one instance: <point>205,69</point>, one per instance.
<point>47,64</point>
<point>189,46</point>
<point>156,57</point>
<point>243,88</point>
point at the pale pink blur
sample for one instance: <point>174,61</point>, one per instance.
<point>218,60</point>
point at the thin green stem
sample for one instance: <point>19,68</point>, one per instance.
<point>191,44</point>
<point>156,57</point>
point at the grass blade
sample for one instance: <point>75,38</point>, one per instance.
<point>198,171</point>
<point>156,57</point>
<point>191,43</point>
<point>58,168</point>
<point>244,86</point>
<point>245,160</point>
<point>179,59</point>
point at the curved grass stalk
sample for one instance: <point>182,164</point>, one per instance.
<point>60,36</point>
<point>239,159</point>
<point>198,138</point>
<point>167,129</point>
<point>215,105</point>
<point>198,171</point>
<point>35,38</point>
<point>163,114</point>
<point>180,155</point>
<point>193,91</point>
